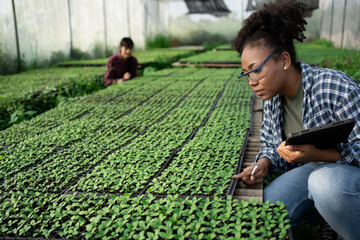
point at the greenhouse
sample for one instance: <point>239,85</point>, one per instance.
<point>173,119</point>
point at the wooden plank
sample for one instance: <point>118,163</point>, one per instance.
<point>253,148</point>
<point>256,145</point>
<point>257,185</point>
<point>250,160</point>
<point>251,192</point>
<point>253,139</point>
<point>255,191</point>
<point>251,152</point>
<point>250,155</point>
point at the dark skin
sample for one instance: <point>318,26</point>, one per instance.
<point>281,78</point>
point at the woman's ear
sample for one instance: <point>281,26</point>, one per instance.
<point>285,60</point>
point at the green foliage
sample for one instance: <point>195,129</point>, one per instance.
<point>348,63</point>
<point>316,52</point>
<point>76,53</point>
<point>98,50</point>
<point>8,64</point>
<point>33,214</point>
<point>210,46</point>
<point>62,172</point>
<point>159,41</point>
<point>56,57</point>
<point>30,93</point>
<point>323,42</point>
<point>224,47</point>
<point>157,58</point>
<point>204,166</point>
<point>212,56</point>
<point>149,71</point>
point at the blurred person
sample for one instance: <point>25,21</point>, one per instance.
<point>121,66</point>
<point>315,184</point>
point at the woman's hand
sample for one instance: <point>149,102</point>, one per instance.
<point>263,166</point>
<point>297,153</point>
<point>307,153</point>
<point>126,76</point>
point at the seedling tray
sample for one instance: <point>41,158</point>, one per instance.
<point>238,168</point>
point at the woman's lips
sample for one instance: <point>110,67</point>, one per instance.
<point>259,92</point>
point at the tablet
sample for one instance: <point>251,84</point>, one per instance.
<point>325,136</point>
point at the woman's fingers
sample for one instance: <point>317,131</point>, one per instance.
<point>246,176</point>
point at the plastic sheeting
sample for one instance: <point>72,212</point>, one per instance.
<point>117,26</point>
<point>340,22</point>
<point>7,29</point>
<point>42,28</point>
<point>93,26</point>
<point>87,25</point>
<point>157,18</point>
<point>351,35</point>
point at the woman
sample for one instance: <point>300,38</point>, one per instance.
<point>121,66</point>
<point>315,184</point>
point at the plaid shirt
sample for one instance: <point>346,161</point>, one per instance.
<point>329,96</point>
<point>116,67</point>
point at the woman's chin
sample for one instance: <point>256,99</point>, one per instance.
<point>265,96</point>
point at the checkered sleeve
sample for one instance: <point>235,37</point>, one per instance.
<point>349,108</point>
<point>266,139</point>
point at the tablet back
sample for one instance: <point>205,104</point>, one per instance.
<point>325,136</point>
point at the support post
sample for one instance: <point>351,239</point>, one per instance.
<point>70,29</point>
<point>16,37</point>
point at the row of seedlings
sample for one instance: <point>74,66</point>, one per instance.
<point>204,166</point>
<point>130,169</point>
<point>35,215</point>
<point>29,82</point>
<point>67,112</point>
<point>211,56</point>
<point>33,149</point>
<point>47,215</point>
<point>26,95</point>
<point>79,136</point>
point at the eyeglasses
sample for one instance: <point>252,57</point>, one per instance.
<point>259,72</point>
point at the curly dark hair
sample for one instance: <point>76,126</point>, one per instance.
<point>275,26</point>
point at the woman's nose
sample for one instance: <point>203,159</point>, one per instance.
<point>253,83</point>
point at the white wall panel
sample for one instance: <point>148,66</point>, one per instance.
<point>43,28</point>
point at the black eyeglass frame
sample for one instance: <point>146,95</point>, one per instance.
<point>262,64</point>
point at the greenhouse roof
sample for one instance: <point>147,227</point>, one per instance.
<point>215,7</point>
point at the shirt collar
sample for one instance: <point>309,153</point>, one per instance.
<point>307,76</point>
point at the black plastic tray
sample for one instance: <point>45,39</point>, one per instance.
<point>238,168</point>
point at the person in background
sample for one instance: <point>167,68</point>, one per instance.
<point>315,184</point>
<point>121,66</point>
